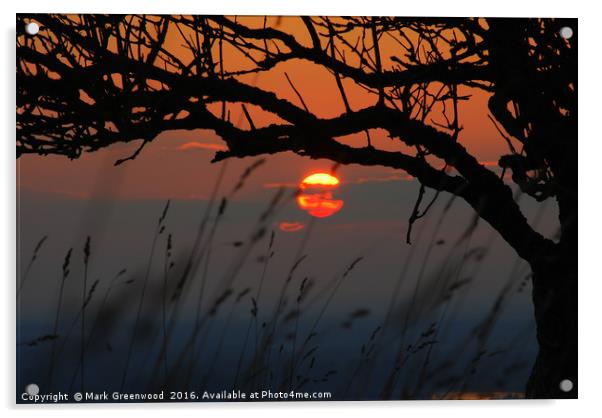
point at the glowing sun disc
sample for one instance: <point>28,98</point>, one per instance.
<point>320,179</point>
<point>316,198</point>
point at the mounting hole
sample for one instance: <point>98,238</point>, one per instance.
<point>32,28</point>
<point>32,389</point>
<point>566,32</point>
<point>566,385</point>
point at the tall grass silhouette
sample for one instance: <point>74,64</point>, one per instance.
<point>279,342</point>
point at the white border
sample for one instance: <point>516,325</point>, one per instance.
<point>590,148</point>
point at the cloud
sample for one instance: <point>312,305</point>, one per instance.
<point>360,180</point>
<point>83,195</point>
<point>392,177</point>
<point>280,185</point>
<point>291,226</point>
<point>201,145</point>
<point>490,164</point>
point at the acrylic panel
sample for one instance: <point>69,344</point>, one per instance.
<point>265,208</point>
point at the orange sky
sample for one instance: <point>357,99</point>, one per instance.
<point>175,165</point>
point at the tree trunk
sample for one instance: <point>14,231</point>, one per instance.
<point>555,303</point>
<point>550,139</point>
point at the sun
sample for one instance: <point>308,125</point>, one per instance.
<point>316,197</point>
<point>319,179</point>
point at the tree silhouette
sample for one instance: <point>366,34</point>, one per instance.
<point>88,81</point>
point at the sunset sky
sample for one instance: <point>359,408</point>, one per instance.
<point>177,165</point>
<point>170,166</point>
<point>118,206</point>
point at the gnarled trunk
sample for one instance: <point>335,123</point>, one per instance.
<point>555,303</point>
